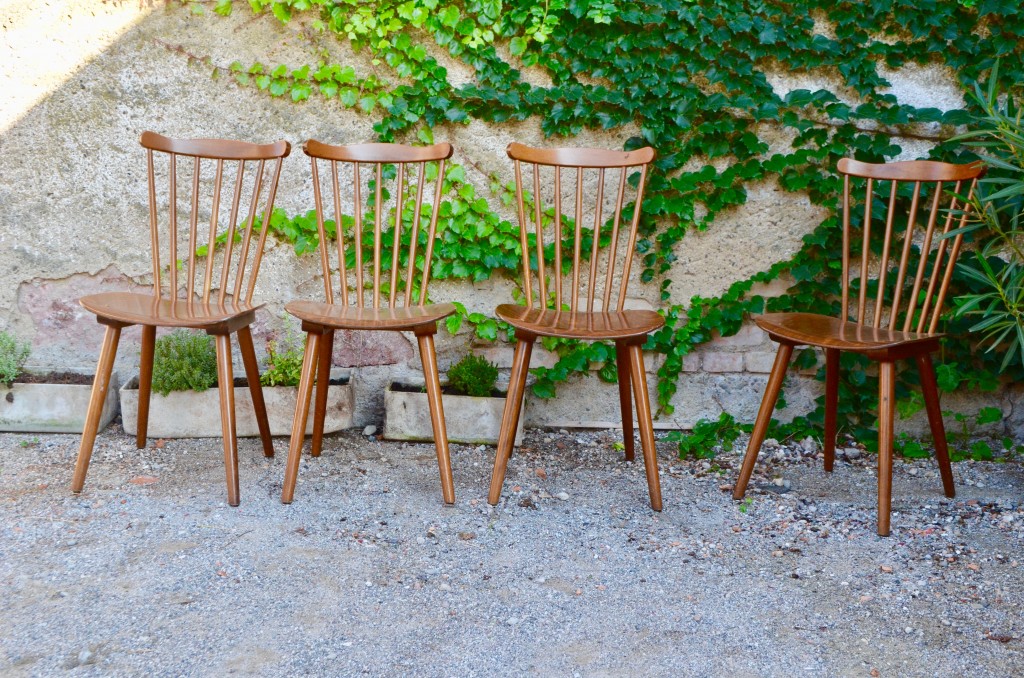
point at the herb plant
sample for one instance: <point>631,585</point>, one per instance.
<point>13,355</point>
<point>474,376</point>
<point>184,360</point>
<point>284,360</point>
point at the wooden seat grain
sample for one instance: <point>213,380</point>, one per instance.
<point>901,320</point>
<point>211,292</point>
<point>561,290</point>
<point>372,293</point>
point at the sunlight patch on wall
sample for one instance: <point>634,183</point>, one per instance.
<point>43,45</point>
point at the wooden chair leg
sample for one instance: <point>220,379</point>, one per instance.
<point>323,380</point>
<point>831,405</point>
<point>252,375</point>
<point>100,384</point>
<point>226,386</point>
<point>764,417</point>
<point>510,415</point>
<point>291,469</point>
<point>432,380</point>
<point>931,403</point>
<point>145,383</point>
<point>886,417</point>
<point>625,403</point>
<point>644,422</point>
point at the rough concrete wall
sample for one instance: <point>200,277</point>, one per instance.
<point>73,217</point>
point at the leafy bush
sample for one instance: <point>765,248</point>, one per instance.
<point>998,264</point>
<point>183,361</point>
<point>13,355</point>
<point>707,437</point>
<point>473,376</point>
<point>284,360</point>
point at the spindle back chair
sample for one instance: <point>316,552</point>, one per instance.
<point>214,289</point>
<point>375,290</point>
<point>578,276</point>
<point>891,299</point>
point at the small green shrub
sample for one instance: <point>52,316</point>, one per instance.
<point>13,355</point>
<point>473,376</point>
<point>183,361</point>
<point>701,443</point>
<point>284,360</point>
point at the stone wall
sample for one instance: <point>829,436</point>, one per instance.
<point>82,79</point>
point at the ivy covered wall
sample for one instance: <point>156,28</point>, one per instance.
<point>749,105</point>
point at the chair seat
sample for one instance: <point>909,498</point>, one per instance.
<point>580,325</point>
<point>356,318</point>
<point>145,309</point>
<point>820,330</point>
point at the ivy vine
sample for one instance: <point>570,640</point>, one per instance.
<point>693,79</point>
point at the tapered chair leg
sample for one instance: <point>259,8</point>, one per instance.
<point>252,375</point>
<point>226,386</point>
<point>625,403</point>
<point>145,383</point>
<point>886,416</point>
<point>931,403</point>
<point>323,380</point>
<point>831,405</point>
<point>100,384</point>
<point>432,381</point>
<point>510,416</point>
<point>291,469</point>
<point>645,422</point>
<point>764,417</point>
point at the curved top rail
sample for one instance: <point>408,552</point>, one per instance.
<point>580,157</point>
<point>911,170</point>
<point>377,152</point>
<point>225,149</point>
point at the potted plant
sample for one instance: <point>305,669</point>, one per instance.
<point>45,402</point>
<point>472,406</point>
<point>185,402</point>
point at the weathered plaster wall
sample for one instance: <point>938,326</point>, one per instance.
<point>73,214</point>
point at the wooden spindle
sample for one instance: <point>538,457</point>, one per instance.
<point>595,244</point>
<point>527,286</point>
<point>376,237</point>
<point>940,252</point>
<point>538,229</point>
<point>953,254</point>
<point>172,265</point>
<point>267,214</point>
<point>926,246</point>
<point>558,238</point>
<point>318,201</point>
<point>862,301</point>
<point>889,218</point>
<point>432,231</point>
<point>193,224</point>
<point>414,235</point>
<point>339,233</point>
<point>908,241</point>
<point>634,226</point>
<point>229,246</point>
<point>154,231</point>
<point>846,248</point>
<point>214,213</point>
<point>576,241</point>
<point>397,240</point>
<point>358,236</point>
<point>613,248</point>
<point>249,225</point>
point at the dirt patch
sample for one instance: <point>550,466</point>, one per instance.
<point>72,378</point>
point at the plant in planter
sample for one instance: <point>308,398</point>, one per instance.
<point>185,403</point>
<point>473,406</point>
<point>44,402</point>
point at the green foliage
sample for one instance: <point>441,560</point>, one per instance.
<point>707,437</point>
<point>284,360</point>
<point>13,355</point>
<point>184,360</point>
<point>998,264</point>
<point>697,82</point>
<point>473,376</point>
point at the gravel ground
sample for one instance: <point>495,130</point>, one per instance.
<point>367,572</point>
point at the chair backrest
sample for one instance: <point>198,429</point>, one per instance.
<point>396,209</point>
<point>209,263</point>
<point>937,192</point>
<point>587,169</point>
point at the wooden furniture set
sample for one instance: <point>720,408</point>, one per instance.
<point>382,277</point>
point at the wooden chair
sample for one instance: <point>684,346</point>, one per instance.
<point>363,272</point>
<point>906,331</point>
<point>221,304</point>
<point>546,314</point>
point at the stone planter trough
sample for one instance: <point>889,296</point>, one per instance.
<point>192,414</point>
<point>470,420</point>
<point>52,408</point>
